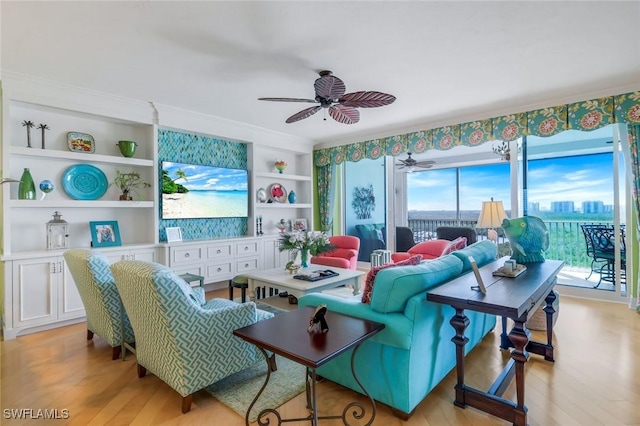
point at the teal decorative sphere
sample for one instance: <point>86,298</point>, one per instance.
<point>46,186</point>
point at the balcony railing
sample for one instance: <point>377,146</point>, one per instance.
<point>566,240</point>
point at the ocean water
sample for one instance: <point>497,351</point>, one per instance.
<point>205,204</point>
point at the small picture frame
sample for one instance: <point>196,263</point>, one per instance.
<point>174,234</point>
<point>105,233</point>
<point>480,287</point>
<point>299,225</point>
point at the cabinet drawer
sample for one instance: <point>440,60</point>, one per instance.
<point>218,251</point>
<point>218,272</point>
<point>245,265</point>
<point>183,255</point>
<point>246,248</point>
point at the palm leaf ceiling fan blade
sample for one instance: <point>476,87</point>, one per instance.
<point>367,99</point>
<point>308,112</point>
<point>288,100</point>
<point>344,114</point>
<point>329,86</point>
<point>330,94</point>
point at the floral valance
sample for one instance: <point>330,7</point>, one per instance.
<point>586,115</point>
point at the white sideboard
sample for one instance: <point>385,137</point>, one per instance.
<point>221,260</point>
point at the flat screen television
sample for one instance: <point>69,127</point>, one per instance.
<point>191,191</point>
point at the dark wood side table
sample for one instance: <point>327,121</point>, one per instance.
<point>515,298</point>
<point>286,335</point>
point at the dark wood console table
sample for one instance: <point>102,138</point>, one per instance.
<point>286,335</point>
<point>515,298</point>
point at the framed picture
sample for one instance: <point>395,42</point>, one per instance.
<point>299,225</point>
<point>480,287</point>
<point>174,234</point>
<point>105,233</point>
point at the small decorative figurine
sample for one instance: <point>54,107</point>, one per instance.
<point>43,127</point>
<point>28,124</point>
<point>282,225</point>
<point>317,323</point>
<point>528,237</point>
<point>46,186</point>
<point>280,165</point>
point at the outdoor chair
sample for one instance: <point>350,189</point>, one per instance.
<point>92,276</point>
<point>452,232</point>
<point>600,242</point>
<point>404,238</point>
<point>186,342</point>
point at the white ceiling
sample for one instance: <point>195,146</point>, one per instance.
<point>444,61</point>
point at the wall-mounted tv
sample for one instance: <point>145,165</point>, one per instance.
<point>192,191</point>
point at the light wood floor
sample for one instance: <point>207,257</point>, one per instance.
<point>594,381</point>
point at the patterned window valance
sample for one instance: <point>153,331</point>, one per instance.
<point>586,115</point>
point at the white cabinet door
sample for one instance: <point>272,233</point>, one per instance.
<point>273,257</point>
<point>147,255</point>
<point>69,302</point>
<point>35,293</point>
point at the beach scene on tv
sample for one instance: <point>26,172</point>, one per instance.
<point>192,191</point>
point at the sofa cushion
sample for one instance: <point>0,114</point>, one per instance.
<point>483,252</point>
<point>394,286</point>
<point>457,244</point>
<point>371,276</point>
<point>371,231</point>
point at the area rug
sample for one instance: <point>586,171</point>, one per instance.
<point>269,308</point>
<point>238,390</point>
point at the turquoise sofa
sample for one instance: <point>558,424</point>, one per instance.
<point>402,364</point>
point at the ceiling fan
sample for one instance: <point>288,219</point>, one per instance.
<point>330,95</point>
<point>410,164</point>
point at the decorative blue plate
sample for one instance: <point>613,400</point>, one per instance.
<point>84,182</point>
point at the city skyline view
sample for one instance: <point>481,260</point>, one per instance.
<point>578,179</point>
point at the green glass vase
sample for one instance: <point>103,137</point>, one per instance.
<point>26,189</point>
<point>304,258</point>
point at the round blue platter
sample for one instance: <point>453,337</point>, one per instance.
<point>84,182</point>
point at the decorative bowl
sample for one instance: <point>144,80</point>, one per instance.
<point>127,148</point>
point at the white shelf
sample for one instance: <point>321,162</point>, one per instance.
<point>50,204</point>
<point>283,176</point>
<point>283,206</point>
<point>79,156</point>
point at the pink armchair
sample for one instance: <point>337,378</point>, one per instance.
<point>430,249</point>
<point>345,254</point>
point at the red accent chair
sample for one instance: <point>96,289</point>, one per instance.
<point>430,249</point>
<point>345,254</point>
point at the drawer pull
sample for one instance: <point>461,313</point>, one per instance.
<point>218,251</point>
<point>187,254</point>
<point>246,248</point>
<point>246,265</point>
<point>219,269</point>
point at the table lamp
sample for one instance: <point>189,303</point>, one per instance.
<point>491,215</point>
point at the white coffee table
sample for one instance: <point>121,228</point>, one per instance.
<point>284,281</point>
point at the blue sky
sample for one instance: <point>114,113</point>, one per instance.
<point>578,179</point>
<point>207,178</point>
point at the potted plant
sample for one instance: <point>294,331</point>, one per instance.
<point>128,183</point>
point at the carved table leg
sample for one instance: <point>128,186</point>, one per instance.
<point>460,322</point>
<point>519,336</point>
<point>549,309</point>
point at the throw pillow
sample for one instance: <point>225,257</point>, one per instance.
<point>371,276</point>
<point>457,244</point>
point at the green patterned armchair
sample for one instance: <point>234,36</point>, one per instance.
<point>91,273</point>
<point>187,344</point>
